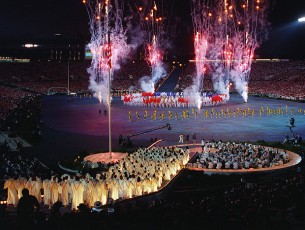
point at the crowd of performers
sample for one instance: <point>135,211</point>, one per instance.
<point>139,173</point>
<point>230,155</point>
<point>168,100</point>
<point>213,113</point>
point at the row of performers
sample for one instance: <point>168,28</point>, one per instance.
<point>139,173</point>
<point>173,101</point>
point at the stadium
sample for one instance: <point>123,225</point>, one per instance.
<point>103,133</point>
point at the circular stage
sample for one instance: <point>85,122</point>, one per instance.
<point>194,148</point>
<point>105,157</point>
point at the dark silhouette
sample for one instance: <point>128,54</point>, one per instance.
<point>55,217</point>
<point>25,209</point>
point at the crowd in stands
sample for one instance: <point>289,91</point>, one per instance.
<point>14,165</point>
<point>278,79</point>
<point>36,71</point>
<point>230,155</point>
<point>9,98</point>
<point>283,79</point>
<point>23,79</point>
<point>40,76</point>
<point>282,73</point>
<point>24,120</point>
<point>186,79</point>
<point>128,76</point>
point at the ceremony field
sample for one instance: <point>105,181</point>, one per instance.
<point>70,127</point>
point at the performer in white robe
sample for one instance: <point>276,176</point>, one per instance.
<point>114,189</point>
<point>172,168</point>
<point>178,165</point>
<point>85,195</point>
<point>70,181</point>
<point>34,186</point>
<point>122,188</point>
<point>12,195</point>
<point>46,184</point>
<point>21,185</point>
<point>103,192</point>
<point>65,190</point>
<point>139,189</point>
<point>154,184</point>
<point>167,173</point>
<point>159,177</point>
<point>148,185</point>
<point>186,156</point>
<point>55,189</point>
<point>93,192</point>
<point>129,188</point>
<point>77,188</point>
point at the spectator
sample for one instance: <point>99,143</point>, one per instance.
<point>25,209</point>
<point>97,207</point>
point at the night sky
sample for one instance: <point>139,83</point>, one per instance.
<point>35,19</point>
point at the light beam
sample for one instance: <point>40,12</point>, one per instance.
<point>302,19</point>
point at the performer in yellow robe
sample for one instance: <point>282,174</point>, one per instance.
<point>34,186</point>
<point>12,195</point>
<point>77,189</point>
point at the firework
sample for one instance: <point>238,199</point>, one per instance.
<point>153,27</point>
<point>227,32</point>
<point>108,43</point>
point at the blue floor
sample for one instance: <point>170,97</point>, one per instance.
<point>71,127</point>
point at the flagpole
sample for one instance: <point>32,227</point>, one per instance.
<point>109,111</point>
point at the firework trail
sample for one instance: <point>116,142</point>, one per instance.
<point>153,26</point>
<point>227,32</point>
<point>108,43</point>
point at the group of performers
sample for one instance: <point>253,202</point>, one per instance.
<point>230,155</point>
<point>168,100</point>
<point>212,113</point>
<point>139,173</point>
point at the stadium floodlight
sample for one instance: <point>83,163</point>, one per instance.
<point>302,19</point>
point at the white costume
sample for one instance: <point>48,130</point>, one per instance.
<point>12,196</point>
<point>55,189</point>
<point>77,188</point>
<point>65,189</point>
<point>114,189</point>
<point>103,192</point>
<point>93,192</point>
<point>130,188</point>
<point>34,187</point>
<point>21,185</point>
<point>154,184</point>
<point>123,188</point>
<point>139,190</point>
<point>47,191</point>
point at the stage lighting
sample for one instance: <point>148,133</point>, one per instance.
<point>301,19</point>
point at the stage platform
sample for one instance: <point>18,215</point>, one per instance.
<point>194,148</point>
<point>105,157</point>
